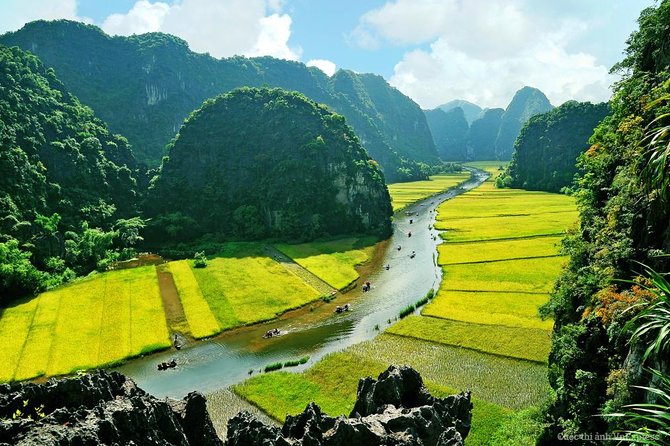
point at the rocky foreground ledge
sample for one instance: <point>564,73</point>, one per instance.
<point>396,409</point>
<point>100,409</point>
<point>109,409</point>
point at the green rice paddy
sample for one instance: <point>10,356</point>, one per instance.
<point>404,194</point>
<point>332,382</point>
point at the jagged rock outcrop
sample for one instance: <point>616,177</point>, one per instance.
<point>395,409</point>
<point>100,409</point>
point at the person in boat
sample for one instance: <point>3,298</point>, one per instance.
<point>399,247</point>
<point>411,221</point>
<point>387,267</point>
<point>409,234</point>
<point>412,255</point>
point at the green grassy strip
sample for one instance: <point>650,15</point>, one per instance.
<point>513,342</point>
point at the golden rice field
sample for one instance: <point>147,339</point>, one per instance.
<point>490,308</point>
<point>496,250</point>
<point>242,285</point>
<point>513,342</point>
<point>201,321</point>
<point>333,261</point>
<point>92,322</point>
<point>404,194</point>
<point>106,318</point>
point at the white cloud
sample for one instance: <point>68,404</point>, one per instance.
<point>273,38</point>
<point>324,65</point>
<point>144,17</point>
<point>15,13</point>
<point>485,50</point>
<point>219,27</point>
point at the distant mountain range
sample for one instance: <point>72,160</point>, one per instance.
<point>490,133</point>
<point>143,86</point>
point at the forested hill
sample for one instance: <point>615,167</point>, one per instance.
<point>624,200</point>
<point>62,175</point>
<point>144,86</point>
<point>525,104</point>
<point>489,133</point>
<point>255,163</point>
<point>546,151</point>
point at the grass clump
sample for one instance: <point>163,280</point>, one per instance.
<point>409,309</point>
<point>296,362</point>
<point>333,261</point>
<point>425,299</point>
<point>273,366</point>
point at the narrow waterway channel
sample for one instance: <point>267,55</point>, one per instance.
<point>313,331</point>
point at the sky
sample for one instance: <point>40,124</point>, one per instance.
<point>433,51</point>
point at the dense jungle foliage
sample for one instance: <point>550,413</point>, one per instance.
<point>67,186</point>
<point>546,151</point>
<point>255,163</point>
<point>624,201</point>
<point>144,86</point>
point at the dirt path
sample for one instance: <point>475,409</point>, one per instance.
<point>174,311</point>
<point>292,267</point>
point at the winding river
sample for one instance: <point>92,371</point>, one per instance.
<point>313,331</point>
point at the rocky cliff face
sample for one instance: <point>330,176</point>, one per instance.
<point>258,162</point>
<point>100,409</point>
<point>395,409</point>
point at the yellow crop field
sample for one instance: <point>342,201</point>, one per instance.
<point>333,261</point>
<point>514,342</point>
<point>404,194</point>
<point>92,322</point>
<point>493,308</point>
<point>492,250</point>
<point>243,285</point>
<point>200,318</point>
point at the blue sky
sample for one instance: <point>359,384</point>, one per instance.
<point>432,50</point>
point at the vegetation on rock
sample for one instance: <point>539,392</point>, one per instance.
<point>67,186</point>
<point>145,85</point>
<point>255,163</point>
<point>546,151</point>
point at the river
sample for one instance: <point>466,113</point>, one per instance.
<point>315,330</point>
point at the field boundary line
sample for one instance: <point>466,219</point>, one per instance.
<point>430,316</point>
<point>552,234</point>
<point>302,273</point>
<point>25,341</point>
<point>482,352</point>
<point>502,260</point>
<point>506,215</point>
<point>493,291</point>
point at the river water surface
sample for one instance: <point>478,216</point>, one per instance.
<point>313,331</point>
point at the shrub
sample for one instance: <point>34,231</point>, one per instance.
<point>274,366</point>
<point>407,311</point>
<point>200,260</point>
